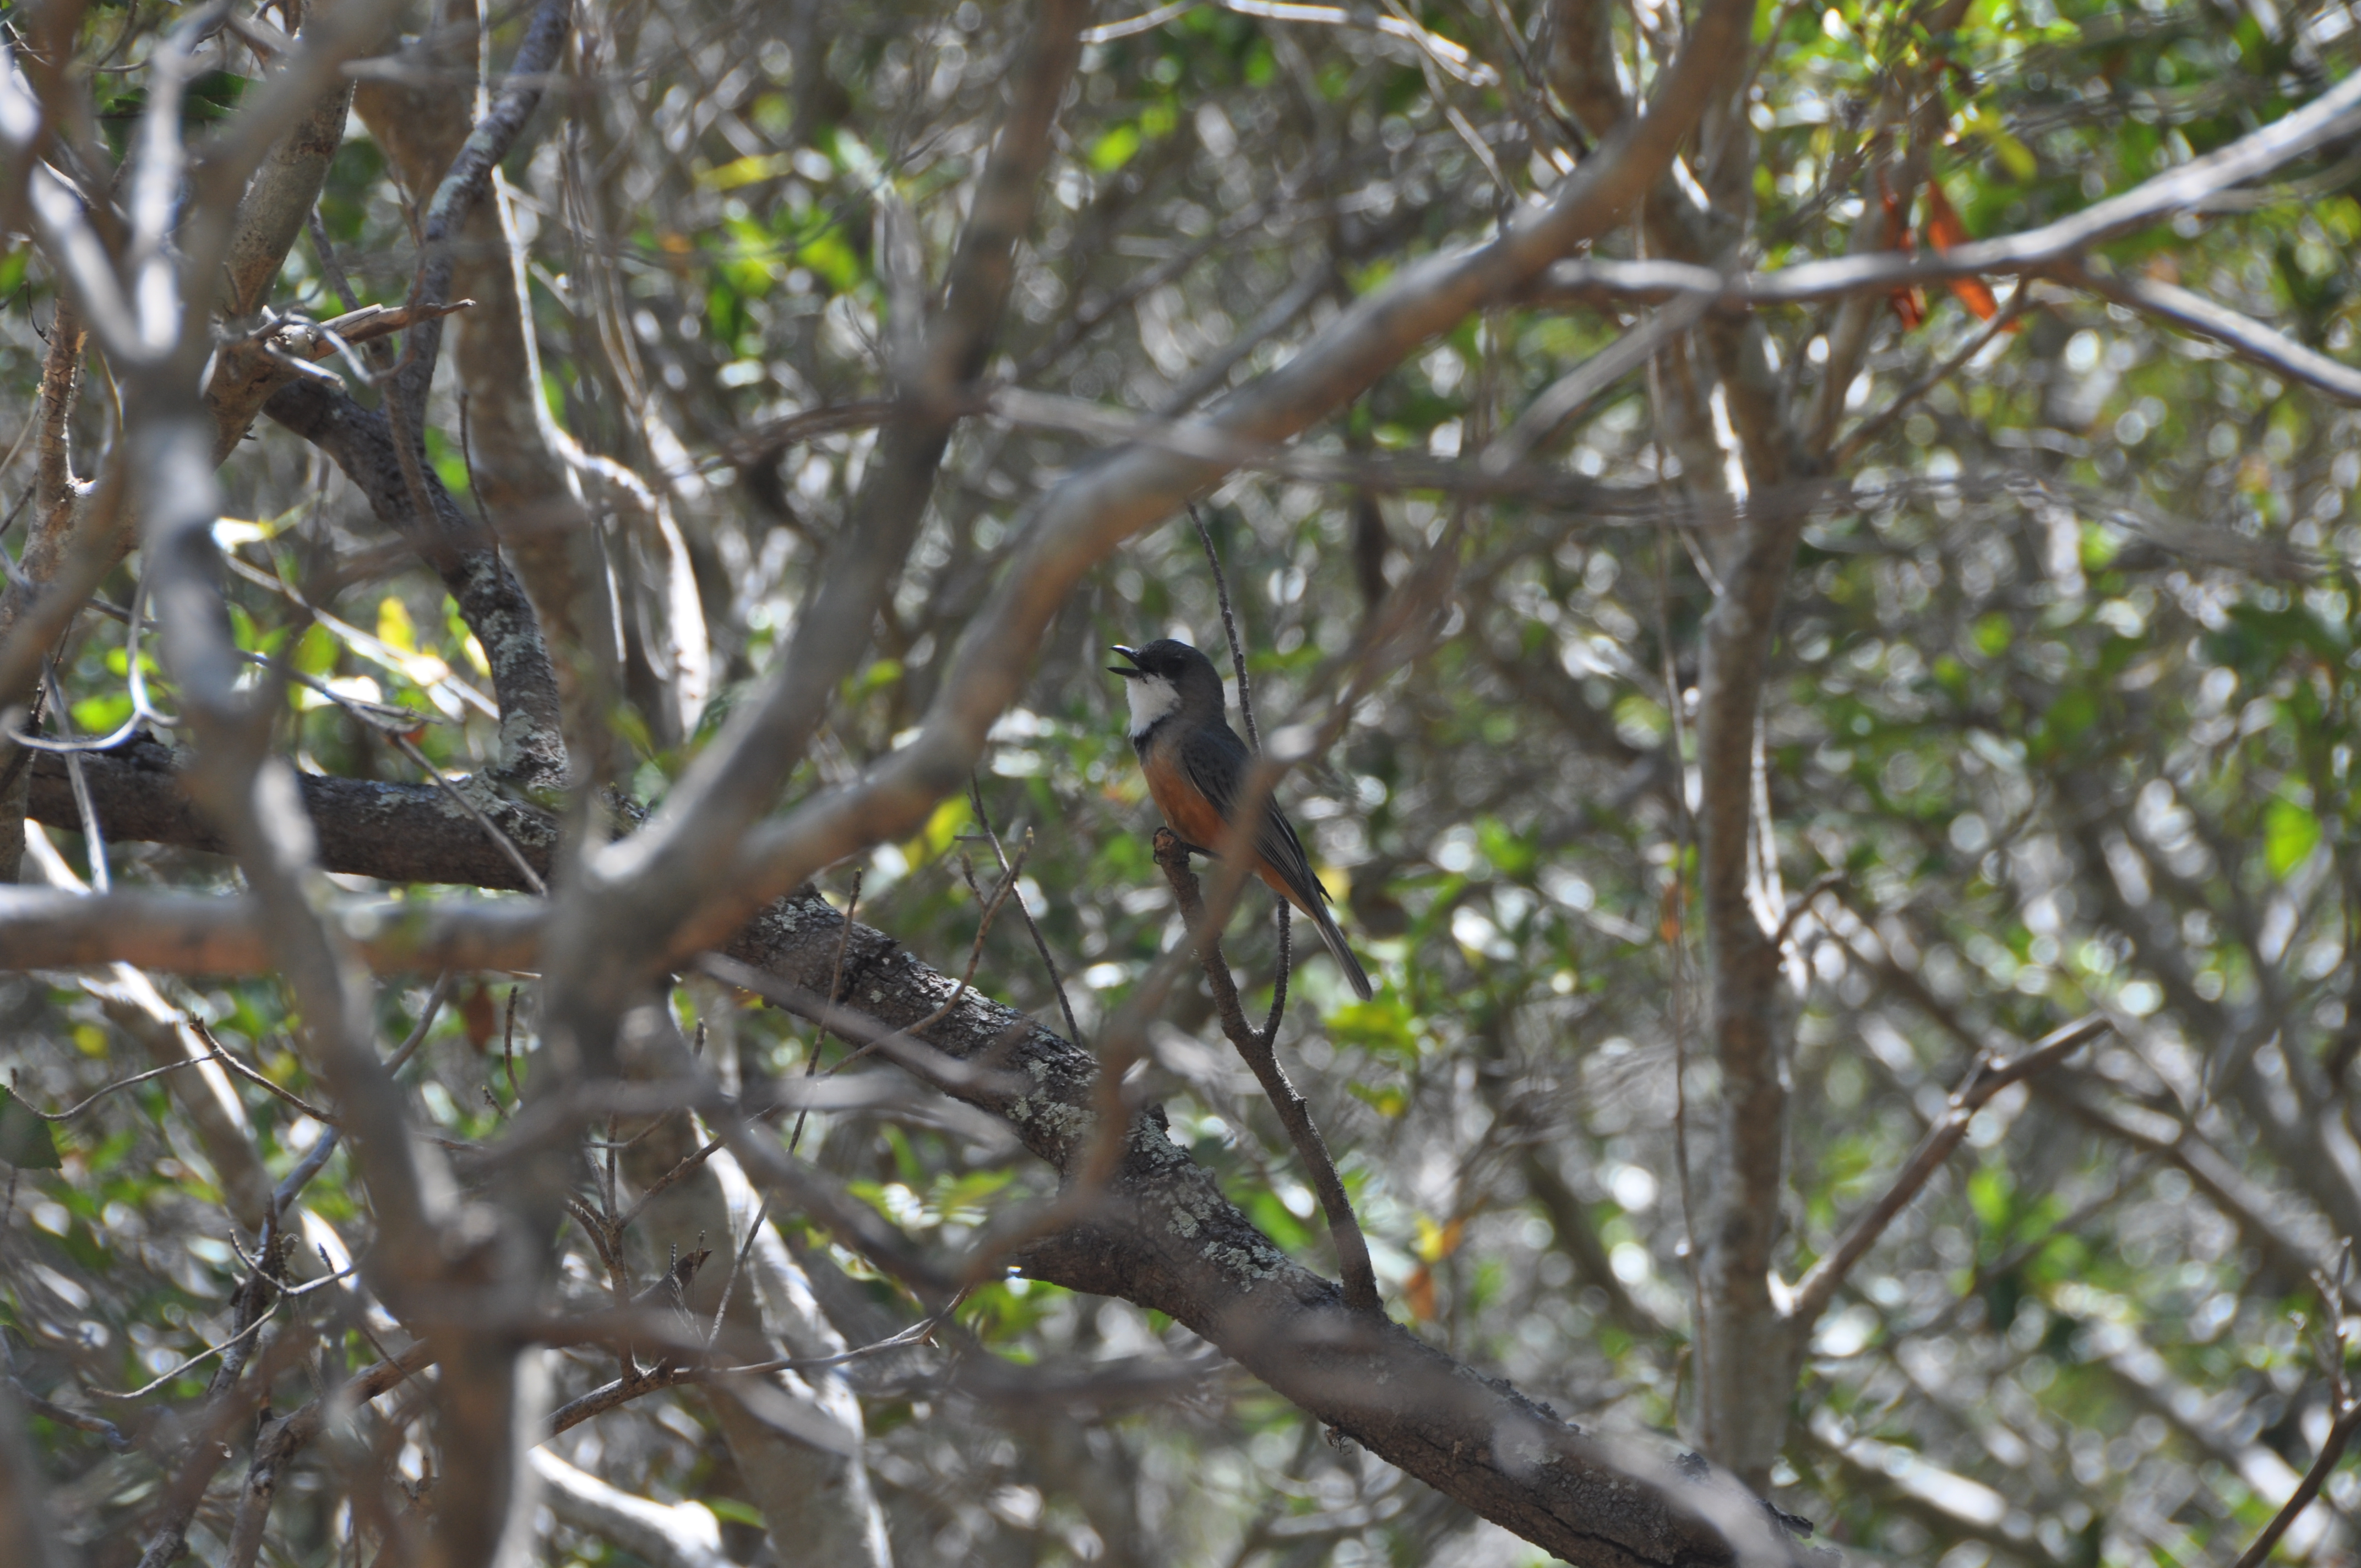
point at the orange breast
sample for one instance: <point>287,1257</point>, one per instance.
<point>1186,810</point>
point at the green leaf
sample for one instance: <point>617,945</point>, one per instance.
<point>1640,722</point>
<point>316,654</point>
<point>731,1510</point>
<point>2099,547</point>
<point>99,715</point>
<point>1271,1217</point>
<point>1115,149</point>
<point>25,1140</point>
<point>2013,155</point>
<point>1509,854</point>
<point>2071,714</point>
<point>1990,1194</point>
<point>828,255</point>
<point>1381,1025</point>
<point>2290,833</point>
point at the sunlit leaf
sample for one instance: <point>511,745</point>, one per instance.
<point>2290,833</point>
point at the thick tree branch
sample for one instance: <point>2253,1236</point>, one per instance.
<point>2250,339</point>
<point>1164,1237</point>
<point>1744,1374</point>
<point>175,933</point>
<point>515,465</point>
<point>280,197</point>
<point>364,444</point>
<point>393,831</point>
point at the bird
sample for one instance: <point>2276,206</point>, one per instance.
<point>1196,770</point>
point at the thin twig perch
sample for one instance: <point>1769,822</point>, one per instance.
<point>1352,1251</point>
<point>1254,739</point>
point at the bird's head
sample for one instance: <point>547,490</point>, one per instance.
<point>1165,677</point>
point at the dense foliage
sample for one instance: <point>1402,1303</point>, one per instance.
<point>2058,722</point>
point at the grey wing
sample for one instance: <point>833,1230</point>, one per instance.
<point>1217,762</point>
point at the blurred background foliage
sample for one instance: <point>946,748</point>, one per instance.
<point>2061,722</point>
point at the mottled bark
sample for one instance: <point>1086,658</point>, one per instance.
<point>490,600</point>
<point>522,481</point>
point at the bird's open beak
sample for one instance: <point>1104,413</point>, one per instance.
<point>1119,670</point>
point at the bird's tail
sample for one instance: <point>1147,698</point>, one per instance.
<point>1355,976</point>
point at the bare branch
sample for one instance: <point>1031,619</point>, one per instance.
<point>197,934</point>
<point>2252,340</point>
<point>1985,1078</point>
<point>655,878</point>
<point>463,186</point>
<point>2020,299</point>
<point>2332,115</point>
<point>20,133</point>
<point>170,1037</point>
<point>1040,943</point>
<point>2331,1449</point>
<point>1099,507</point>
<point>280,1440</point>
<point>283,193</point>
<point>106,1432</point>
<point>1581,44</point>
<point>516,453</point>
<point>666,1535</point>
<point>365,445</point>
<point>1260,1052</point>
<point>230,1399</point>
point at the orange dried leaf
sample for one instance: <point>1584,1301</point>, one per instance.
<point>1909,305</point>
<point>1419,1291</point>
<point>475,1012</point>
<point>1945,230</point>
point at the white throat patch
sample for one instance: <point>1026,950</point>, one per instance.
<point>1152,697</point>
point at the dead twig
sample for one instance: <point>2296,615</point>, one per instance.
<point>1040,943</point>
